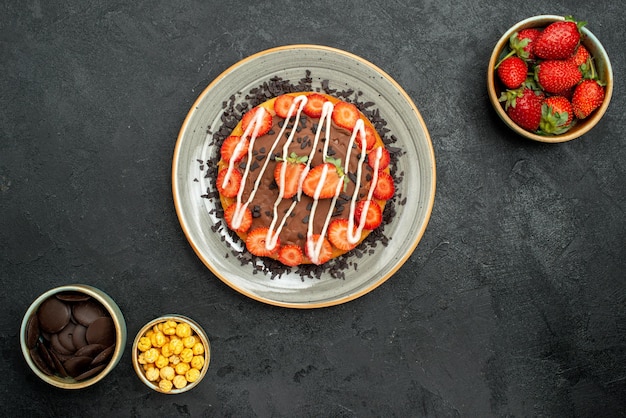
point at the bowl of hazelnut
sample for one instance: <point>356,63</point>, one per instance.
<point>171,354</point>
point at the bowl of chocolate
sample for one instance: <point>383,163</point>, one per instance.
<point>72,336</point>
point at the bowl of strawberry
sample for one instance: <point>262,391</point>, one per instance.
<point>549,78</point>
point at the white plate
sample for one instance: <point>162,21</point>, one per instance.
<point>343,71</point>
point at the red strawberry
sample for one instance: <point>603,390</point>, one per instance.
<point>338,234</point>
<point>373,217</point>
<point>228,148</point>
<point>566,93</point>
<point>246,221</point>
<point>558,40</point>
<point>384,186</point>
<point>231,188</point>
<point>384,159</point>
<point>345,115</point>
<point>370,138</point>
<point>334,174</point>
<point>282,105</point>
<point>580,56</point>
<point>512,71</point>
<point>266,120</point>
<point>556,76</point>
<point>524,107</point>
<point>295,166</point>
<point>256,240</point>
<point>314,104</point>
<point>290,255</point>
<point>557,115</point>
<point>588,96</point>
<point>522,42</point>
<point>326,252</point>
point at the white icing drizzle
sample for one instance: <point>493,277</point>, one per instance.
<point>313,248</point>
<point>272,238</point>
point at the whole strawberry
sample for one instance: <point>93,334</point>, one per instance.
<point>556,115</point>
<point>556,76</point>
<point>588,96</point>
<point>522,42</point>
<point>558,40</point>
<point>523,106</point>
<point>512,71</point>
<point>580,56</point>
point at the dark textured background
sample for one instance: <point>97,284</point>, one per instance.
<point>513,304</point>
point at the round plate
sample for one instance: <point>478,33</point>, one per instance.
<point>343,71</point>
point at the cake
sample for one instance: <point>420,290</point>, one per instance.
<point>294,196</point>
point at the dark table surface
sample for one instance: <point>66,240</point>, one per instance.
<point>513,303</point>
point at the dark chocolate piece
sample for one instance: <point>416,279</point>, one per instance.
<point>101,331</point>
<point>87,312</point>
<point>58,364</point>
<point>46,356</point>
<point>32,332</point>
<point>53,315</point>
<point>104,355</point>
<point>55,344</point>
<point>39,362</point>
<point>79,338</point>
<point>73,296</point>
<point>90,373</point>
<point>77,365</point>
<point>91,350</point>
<point>66,337</point>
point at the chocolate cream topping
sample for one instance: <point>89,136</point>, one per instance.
<point>295,229</point>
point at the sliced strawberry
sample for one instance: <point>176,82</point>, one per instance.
<point>326,252</point>
<point>373,217</point>
<point>228,148</point>
<point>246,221</point>
<point>338,234</point>
<point>256,240</point>
<point>345,115</point>
<point>266,120</point>
<point>384,186</point>
<point>314,177</point>
<point>384,159</point>
<point>290,255</point>
<point>231,188</point>
<point>282,105</point>
<point>313,107</point>
<point>293,172</point>
<point>370,139</point>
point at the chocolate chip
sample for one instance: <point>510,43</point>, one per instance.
<point>88,311</point>
<point>66,337</point>
<point>103,356</point>
<point>79,338</point>
<point>39,362</point>
<point>53,315</point>
<point>45,355</point>
<point>72,296</point>
<point>58,364</point>
<point>101,331</point>
<point>90,373</point>
<point>91,350</point>
<point>56,345</point>
<point>77,365</point>
<point>32,332</point>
